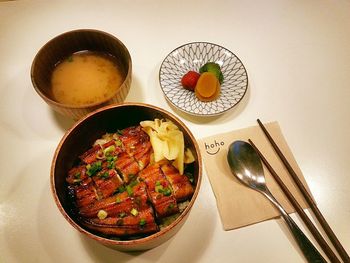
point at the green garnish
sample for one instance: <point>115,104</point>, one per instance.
<point>121,189</point>
<point>167,191</point>
<point>102,214</point>
<point>122,214</point>
<point>111,158</point>
<point>77,177</point>
<point>111,161</point>
<point>159,188</point>
<point>142,222</point>
<point>118,143</point>
<point>110,165</point>
<point>109,150</point>
<point>118,200</point>
<point>134,212</point>
<point>94,168</point>
<point>129,190</point>
<point>104,175</point>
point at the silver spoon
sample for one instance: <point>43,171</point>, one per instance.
<point>246,165</point>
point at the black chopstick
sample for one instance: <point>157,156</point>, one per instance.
<point>332,237</point>
<point>320,240</point>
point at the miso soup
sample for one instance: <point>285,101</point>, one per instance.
<point>85,78</point>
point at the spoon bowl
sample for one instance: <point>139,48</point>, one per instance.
<point>247,165</point>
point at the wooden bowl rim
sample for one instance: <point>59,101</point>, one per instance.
<point>91,105</point>
<point>144,240</point>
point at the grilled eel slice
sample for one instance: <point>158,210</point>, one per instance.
<point>180,184</point>
<point>159,191</point>
<point>126,213</point>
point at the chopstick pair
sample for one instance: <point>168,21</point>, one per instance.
<point>320,240</point>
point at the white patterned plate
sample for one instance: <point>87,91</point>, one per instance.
<point>192,56</point>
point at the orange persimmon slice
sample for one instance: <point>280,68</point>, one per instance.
<point>207,87</point>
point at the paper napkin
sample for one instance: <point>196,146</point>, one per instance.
<point>239,205</point>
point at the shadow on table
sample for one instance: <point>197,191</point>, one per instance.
<point>63,122</point>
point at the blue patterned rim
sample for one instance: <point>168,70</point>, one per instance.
<point>192,56</point>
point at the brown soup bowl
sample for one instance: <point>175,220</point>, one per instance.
<point>81,137</point>
<point>72,42</point>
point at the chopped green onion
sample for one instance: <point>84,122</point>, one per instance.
<point>159,188</point>
<point>121,189</point>
<point>77,175</point>
<point>110,165</point>
<point>167,191</point>
<point>142,222</point>
<point>102,214</point>
<point>134,212</point>
<point>171,206</point>
<point>118,143</point>
<point>94,168</point>
<point>111,158</point>
<point>104,175</point>
<point>129,190</point>
<point>109,150</point>
<point>111,161</point>
<point>122,214</point>
<point>118,200</point>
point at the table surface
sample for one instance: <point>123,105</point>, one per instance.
<point>297,55</point>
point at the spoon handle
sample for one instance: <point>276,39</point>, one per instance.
<point>310,252</point>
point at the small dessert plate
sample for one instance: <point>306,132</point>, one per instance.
<point>192,56</point>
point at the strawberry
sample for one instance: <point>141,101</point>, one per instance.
<point>189,80</point>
